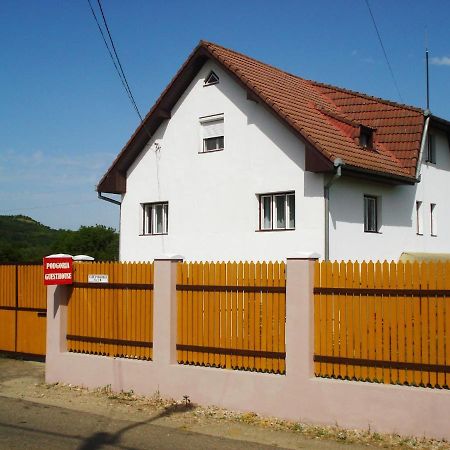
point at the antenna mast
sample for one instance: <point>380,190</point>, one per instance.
<point>428,79</point>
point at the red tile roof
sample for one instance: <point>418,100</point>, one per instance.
<point>328,118</point>
<point>304,104</point>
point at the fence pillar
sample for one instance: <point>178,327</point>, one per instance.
<point>165,310</point>
<point>300,316</point>
<point>57,301</point>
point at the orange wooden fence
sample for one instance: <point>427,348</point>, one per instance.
<point>384,322</point>
<point>23,308</point>
<point>232,315</point>
<point>113,318</point>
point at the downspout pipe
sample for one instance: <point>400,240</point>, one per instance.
<point>107,199</point>
<point>338,163</point>
<point>427,115</point>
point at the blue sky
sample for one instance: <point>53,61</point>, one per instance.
<point>64,115</point>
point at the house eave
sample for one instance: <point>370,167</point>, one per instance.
<point>382,177</point>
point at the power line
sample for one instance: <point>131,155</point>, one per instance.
<point>117,63</point>
<point>118,60</point>
<point>384,51</point>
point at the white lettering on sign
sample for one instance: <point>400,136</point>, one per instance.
<point>60,265</point>
<point>58,276</point>
<point>98,278</point>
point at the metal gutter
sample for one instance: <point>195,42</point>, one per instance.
<point>107,199</point>
<point>338,163</point>
<point>427,114</point>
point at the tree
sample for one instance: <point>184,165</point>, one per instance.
<point>98,241</point>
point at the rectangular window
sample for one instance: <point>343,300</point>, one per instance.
<point>431,149</point>
<point>365,137</point>
<point>370,214</point>
<point>155,218</point>
<point>212,129</point>
<point>277,211</point>
<point>433,224</point>
<point>419,218</point>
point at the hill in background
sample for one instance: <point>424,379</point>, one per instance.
<point>23,239</point>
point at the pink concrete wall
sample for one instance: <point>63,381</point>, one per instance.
<point>298,395</point>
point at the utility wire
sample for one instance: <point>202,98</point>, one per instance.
<point>384,51</point>
<point>119,73</point>
<point>118,60</point>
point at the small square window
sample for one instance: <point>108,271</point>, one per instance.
<point>277,211</point>
<point>370,214</point>
<point>213,144</point>
<point>155,218</point>
<point>212,129</point>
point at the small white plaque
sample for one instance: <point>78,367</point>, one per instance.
<point>98,278</point>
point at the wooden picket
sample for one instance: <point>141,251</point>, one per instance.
<point>23,307</point>
<point>383,322</point>
<point>113,318</point>
<point>232,315</point>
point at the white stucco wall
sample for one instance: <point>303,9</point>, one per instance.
<point>213,204</point>
<point>398,229</point>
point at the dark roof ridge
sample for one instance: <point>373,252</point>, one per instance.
<point>370,97</point>
<point>318,83</point>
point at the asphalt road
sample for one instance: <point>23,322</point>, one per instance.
<point>26,425</point>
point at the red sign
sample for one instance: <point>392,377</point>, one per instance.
<point>57,270</point>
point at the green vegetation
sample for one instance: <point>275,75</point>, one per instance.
<point>23,239</point>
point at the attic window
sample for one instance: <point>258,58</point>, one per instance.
<point>366,137</point>
<point>212,78</point>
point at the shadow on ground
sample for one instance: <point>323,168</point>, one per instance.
<point>100,439</point>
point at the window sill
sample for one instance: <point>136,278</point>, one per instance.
<point>419,234</point>
<point>275,229</point>
<point>212,151</point>
<point>373,232</point>
<point>433,235</point>
<point>154,234</point>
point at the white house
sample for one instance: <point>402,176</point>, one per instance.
<point>238,160</point>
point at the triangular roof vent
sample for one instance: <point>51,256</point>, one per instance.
<point>212,78</point>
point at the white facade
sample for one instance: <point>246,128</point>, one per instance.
<point>213,198</point>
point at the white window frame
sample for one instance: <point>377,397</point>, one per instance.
<point>274,211</point>
<point>149,218</point>
<point>433,219</point>
<point>419,217</point>
<point>212,134</point>
<point>375,202</point>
